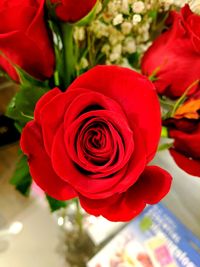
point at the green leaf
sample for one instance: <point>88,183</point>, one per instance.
<point>55,204</point>
<point>153,14</point>
<point>165,146</point>
<point>133,59</point>
<point>21,178</point>
<point>28,80</point>
<point>22,105</point>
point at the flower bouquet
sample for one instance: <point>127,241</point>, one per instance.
<point>101,81</point>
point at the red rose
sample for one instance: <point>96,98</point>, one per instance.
<point>175,54</point>
<point>185,130</point>
<point>95,140</point>
<point>73,11</point>
<point>24,39</point>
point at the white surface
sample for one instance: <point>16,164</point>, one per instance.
<point>184,197</point>
<point>36,245</point>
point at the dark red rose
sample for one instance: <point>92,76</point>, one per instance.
<point>73,11</point>
<point>184,128</point>
<point>95,140</point>
<point>24,39</point>
<point>176,53</point>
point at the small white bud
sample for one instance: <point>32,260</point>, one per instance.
<point>138,7</point>
<point>129,46</point>
<point>79,34</point>
<point>106,49</point>
<point>126,27</point>
<point>125,6</point>
<point>116,52</point>
<point>136,19</point>
<point>84,63</point>
<point>118,19</point>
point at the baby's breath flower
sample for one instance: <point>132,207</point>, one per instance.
<point>118,19</point>
<point>116,52</point>
<point>84,63</point>
<point>123,27</point>
<point>126,27</point>
<point>125,7</point>
<point>129,45</point>
<point>79,33</point>
<point>138,7</point>
<point>106,49</point>
<point>136,19</point>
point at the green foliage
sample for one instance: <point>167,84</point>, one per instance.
<point>27,80</point>
<point>153,14</point>
<point>21,178</point>
<point>134,59</point>
<point>55,204</point>
<point>22,105</point>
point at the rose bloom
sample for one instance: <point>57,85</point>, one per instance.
<point>94,142</point>
<point>24,39</point>
<point>73,10</point>
<point>184,128</point>
<point>175,54</point>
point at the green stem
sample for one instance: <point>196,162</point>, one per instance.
<point>164,132</point>
<point>79,217</point>
<point>27,116</point>
<point>165,146</point>
<point>69,60</point>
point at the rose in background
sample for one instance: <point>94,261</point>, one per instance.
<point>184,128</point>
<point>95,140</point>
<point>72,11</point>
<point>175,55</point>
<point>24,39</point>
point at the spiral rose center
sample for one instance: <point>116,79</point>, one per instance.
<point>98,135</point>
<point>100,144</point>
<point>94,143</point>
<point>96,139</point>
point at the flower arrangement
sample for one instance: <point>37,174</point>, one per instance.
<point>100,82</point>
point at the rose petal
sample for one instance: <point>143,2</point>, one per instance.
<point>135,94</point>
<point>43,101</point>
<point>187,164</point>
<point>152,186</point>
<point>173,54</point>
<point>83,183</point>
<point>97,188</point>
<point>40,165</point>
<point>122,130</point>
<point>35,64</point>
<point>90,101</point>
<point>19,21</point>
<point>52,114</point>
<point>37,43</point>
<point>187,143</point>
<point>71,11</point>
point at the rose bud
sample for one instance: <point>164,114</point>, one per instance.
<point>24,40</point>
<point>72,11</point>
<point>95,141</point>
<point>184,128</point>
<point>175,55</point>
